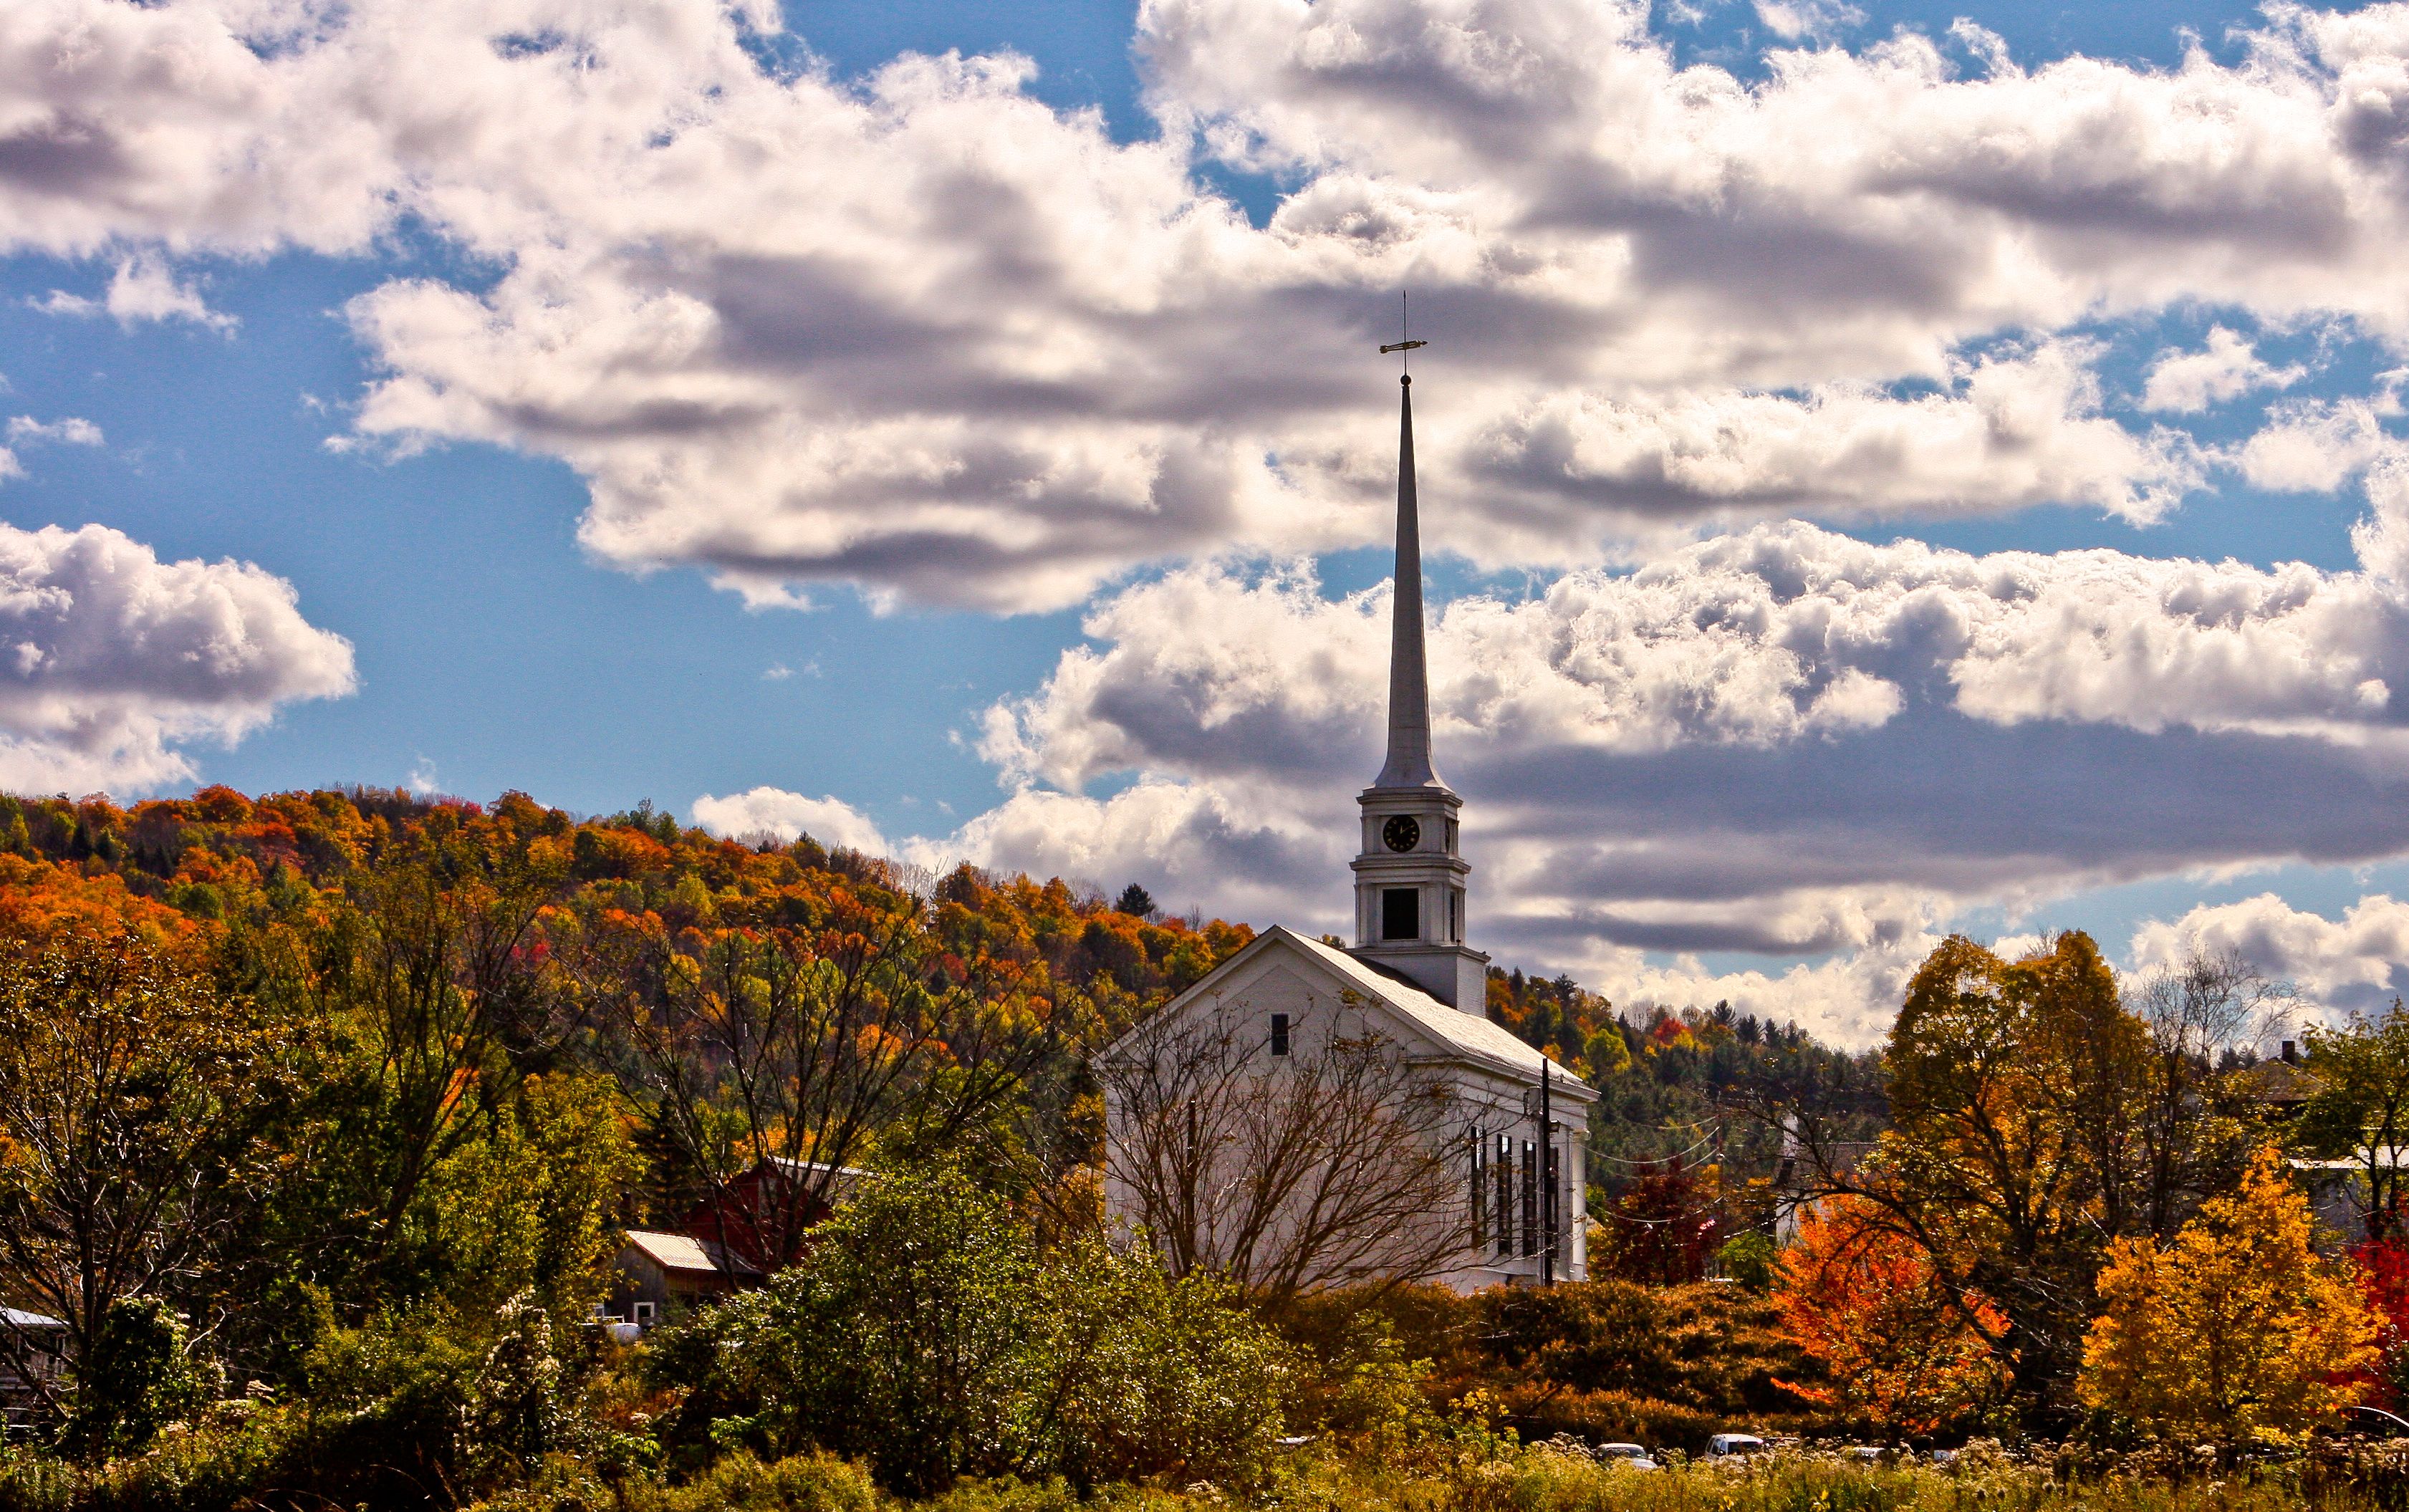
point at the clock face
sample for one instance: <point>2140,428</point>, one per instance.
<point>1401,833</point>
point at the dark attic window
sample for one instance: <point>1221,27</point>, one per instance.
<point>1280,1034</point>
<point>1400,914</point>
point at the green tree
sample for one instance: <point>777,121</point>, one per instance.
<point>421,999</point>
<point>2360,1113</point>
<point>527,1211</point>
<point>132,1093</point>
<point>899,1339</point>
<point>139,1376</point>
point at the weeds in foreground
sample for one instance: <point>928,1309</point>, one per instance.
<point>1468,1471</point>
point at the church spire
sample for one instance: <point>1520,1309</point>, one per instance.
<point>1409,738</point>
<point>1409,880</point>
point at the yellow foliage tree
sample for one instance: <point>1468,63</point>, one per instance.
<point>2237,1331</point>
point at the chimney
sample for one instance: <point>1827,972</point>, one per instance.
<point>2291,1054</point>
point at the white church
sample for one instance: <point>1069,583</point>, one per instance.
<point>1357,1102</point>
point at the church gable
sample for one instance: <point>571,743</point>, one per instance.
<point>1276,992</point>
<point>1284,987</point>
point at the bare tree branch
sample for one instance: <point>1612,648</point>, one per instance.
<point>1338,1164</point>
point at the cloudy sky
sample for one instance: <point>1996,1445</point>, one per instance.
<point>1889,466</point>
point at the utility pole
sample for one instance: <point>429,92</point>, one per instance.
<point>1547,1172</point>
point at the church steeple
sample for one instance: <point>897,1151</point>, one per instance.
<point>1409,881</point>
<point>1409,742</point>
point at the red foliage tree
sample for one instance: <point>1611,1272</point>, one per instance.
<point>1662,1228</point>
<point>2383,1280</point>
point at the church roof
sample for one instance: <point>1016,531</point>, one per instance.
<point>1473,1035</point>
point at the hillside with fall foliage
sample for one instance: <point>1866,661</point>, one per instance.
<point>1681,1082</point>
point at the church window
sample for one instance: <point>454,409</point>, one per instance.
<point>1400,914</point>
<point>1480,1189</point>
<point>1530,1200</point>
<point>1455,914</point>
<point>1505,1225</point>
<point>1280,1034</point>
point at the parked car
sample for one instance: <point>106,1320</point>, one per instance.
<point>1734,1446</point>
<point>1633,1455</point>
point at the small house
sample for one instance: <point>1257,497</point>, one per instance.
<point>662,1273</point>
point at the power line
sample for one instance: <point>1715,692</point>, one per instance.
<point>1704,1140</point>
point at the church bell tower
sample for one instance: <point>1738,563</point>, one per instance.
<point>1409,882</point>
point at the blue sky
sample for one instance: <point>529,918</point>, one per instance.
<point>407,367</point>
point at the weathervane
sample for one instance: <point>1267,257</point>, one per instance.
<point>1405,342</point>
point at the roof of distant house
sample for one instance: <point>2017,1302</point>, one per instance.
<point>797,1168</point>
<point>684,1253</point>
<point>16,1317</point>
<point>2280,1082</point>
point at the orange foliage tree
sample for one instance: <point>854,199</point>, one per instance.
<point>1900,1344</point>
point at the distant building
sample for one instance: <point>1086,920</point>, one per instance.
<point>777,1196</point>
<point>32,1352</point>
<point>1797,1187</point>
<point>2280,1088</point>
<point>661,1273</point>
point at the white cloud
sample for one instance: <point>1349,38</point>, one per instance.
<point>142,289</point>
<point>1794,20</point>
<point>66,431</point>
<point>114,658</point>
<point>2009,431</point>
<point>1782,742</point>
<point>771,811</point>
<point>927,336</point>
<point>2225,369</point>
<point>2316,445</point>
<point>1848,999</point>
<point>2359,963</point>
<point>60,302</point>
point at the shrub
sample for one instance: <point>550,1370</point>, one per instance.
<point>1156,1377</point>
<point>740,1483</point>
<point>1601,1359</point>
<point>1749,1260</point>
<point>924,1334</point>
<point>138,1377</point>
